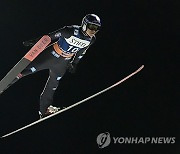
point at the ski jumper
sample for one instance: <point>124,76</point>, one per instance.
<point>69,47</point>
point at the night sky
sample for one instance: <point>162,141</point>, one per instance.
<point>133,33</point>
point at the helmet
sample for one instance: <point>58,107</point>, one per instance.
<point>91,21</point>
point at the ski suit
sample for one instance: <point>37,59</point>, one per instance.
<point>70,45</point>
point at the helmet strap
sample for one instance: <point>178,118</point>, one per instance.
<point>84,27</point>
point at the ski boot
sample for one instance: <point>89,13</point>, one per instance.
<point>50,110</point>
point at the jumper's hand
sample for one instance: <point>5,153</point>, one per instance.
<point>72,68</point>
<point>28,43</point>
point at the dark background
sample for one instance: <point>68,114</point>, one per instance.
<point>133,33</point>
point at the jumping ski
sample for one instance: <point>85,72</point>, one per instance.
<point>24,62</point>
<point>76,104</point>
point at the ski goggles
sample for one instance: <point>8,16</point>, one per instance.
<point>93,27</point>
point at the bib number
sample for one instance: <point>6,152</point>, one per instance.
<point>71,49</point>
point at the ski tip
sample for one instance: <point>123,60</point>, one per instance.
<point>141,68</point>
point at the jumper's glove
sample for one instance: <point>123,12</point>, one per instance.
<point>72,67</point>
<point>29,43</point>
